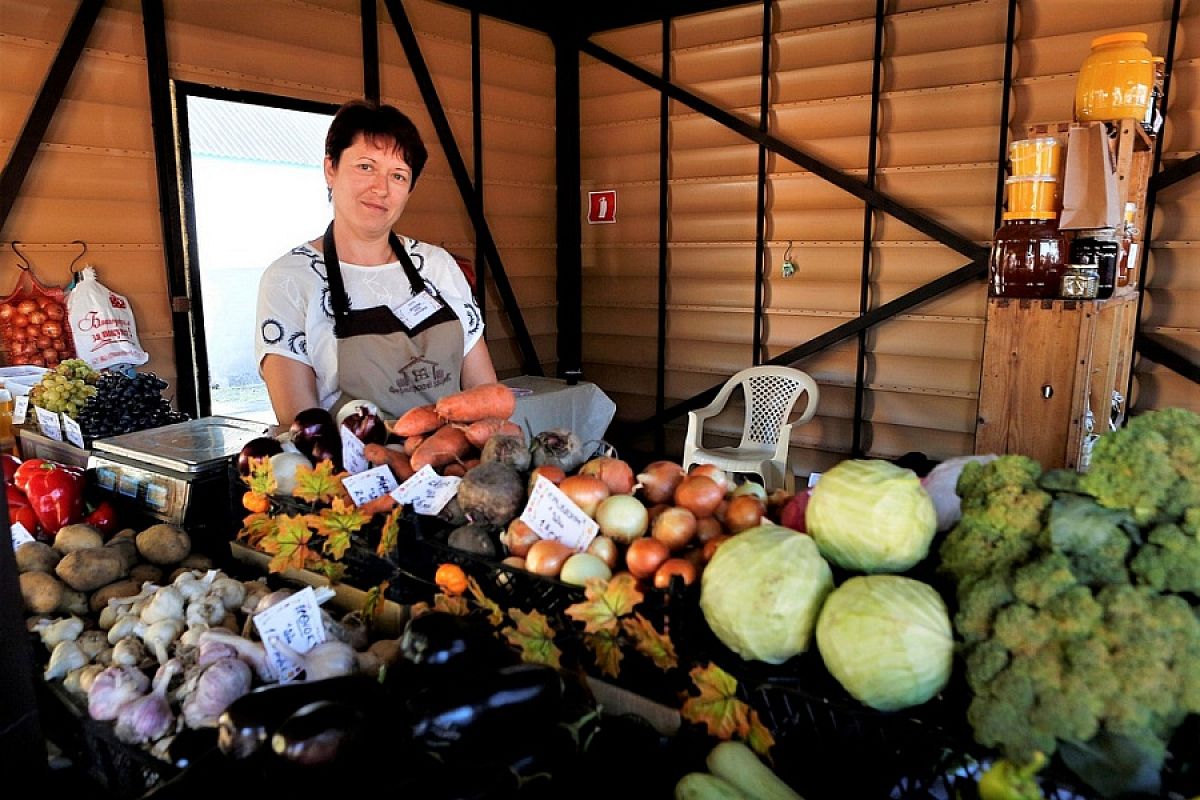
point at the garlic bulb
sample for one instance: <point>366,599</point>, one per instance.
<point>66,657</point>
<point>92,642</point>
<point>150,717</point>
<point>205,609</point>
<point>159,637</point>
<point>167,603</point>
<point>113,689</point>
<point>232,592</point>
<point>129,652</point>
<point>192,584</point>
<point>126,625</point>
<point>253,653</point>
<point>224,681</point>
<point>326,660</point>
<point>61,630</point>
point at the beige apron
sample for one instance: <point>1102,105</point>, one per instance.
<point>397,366</point>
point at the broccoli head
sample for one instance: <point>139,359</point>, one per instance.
<point>1002,516</point>
<point>1170,559</point>
<point>1150,467</point>
<point>1094,539</point>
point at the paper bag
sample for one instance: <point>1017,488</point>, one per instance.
<point>1091,198</point>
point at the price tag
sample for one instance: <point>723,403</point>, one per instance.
<point>366,486</point>
<point>353,460</point>
<point>553,515</point>
<point>73,431</point>
<point>20,409</point>
<point>417,308</point>
<point>19,535</point>
<point>813,478</point>
<point>294,623</point>
<point>426,491</point>
<point>48,423</point>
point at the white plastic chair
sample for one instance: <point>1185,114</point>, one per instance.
<point>771,393</point>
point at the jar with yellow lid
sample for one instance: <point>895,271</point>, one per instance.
<point>1116,80</point>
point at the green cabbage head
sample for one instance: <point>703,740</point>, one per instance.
<point>762,591</point>
<point>868,515</point>
<point>887,640</point>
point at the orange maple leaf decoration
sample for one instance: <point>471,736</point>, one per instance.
<point>373,603</point>
<point>658,647</point>
<point>607,649</point>
<point>337,524</point>
<point>390,533</point>
<point>724,714</point>
<point>318,484</point>
<point>289,545</point>
<point>606,603</point>
<point>495,613</point>
<point>262,476</point>
<point>534,636</point>
<point>451,604</point>
<point>255,527</point>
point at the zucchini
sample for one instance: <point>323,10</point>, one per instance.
<point>703,786</point>
<point>736,763</point>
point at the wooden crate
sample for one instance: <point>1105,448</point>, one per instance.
<point>1046,364</point>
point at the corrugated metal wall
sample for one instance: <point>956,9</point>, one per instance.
<point>94,175</point>
<point>93,179</point>
<point>939,117</point>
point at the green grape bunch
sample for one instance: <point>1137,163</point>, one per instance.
<point>66,388</point>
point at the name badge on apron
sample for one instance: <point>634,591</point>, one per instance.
<point>417,309</point>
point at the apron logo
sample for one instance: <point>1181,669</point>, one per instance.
<point>419,375</point>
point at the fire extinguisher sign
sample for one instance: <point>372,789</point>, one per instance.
<point>602,206</point>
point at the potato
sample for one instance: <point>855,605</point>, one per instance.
<point>121,588</point>
<point>197,561</point>
<point>126,547</point>
<point>146,572</point>
<point>41,591</point>
<point>77,537</point>
<point>164,544</point>
<point>87,570</point>
<point>36,557</point>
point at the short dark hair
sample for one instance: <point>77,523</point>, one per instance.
<point>376,121</point>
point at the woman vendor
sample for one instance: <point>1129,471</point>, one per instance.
<point>362,314</point>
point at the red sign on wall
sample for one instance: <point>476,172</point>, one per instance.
<point>602,206</point>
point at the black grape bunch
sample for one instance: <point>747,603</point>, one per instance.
<point>124,403</point>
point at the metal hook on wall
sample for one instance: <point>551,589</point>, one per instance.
<point>25,265</point>
<point>81,255</point>
<point>789,266</point>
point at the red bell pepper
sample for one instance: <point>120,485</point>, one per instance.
<point>103,518</point>
<point>9,463</point>
<point>19,509</point>
<point>54,491</point>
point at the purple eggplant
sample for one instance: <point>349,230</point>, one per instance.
<point>262,447</point>
<point>366,425</point>
<point>316,435</point>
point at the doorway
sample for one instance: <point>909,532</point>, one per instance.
<point>253,189</point>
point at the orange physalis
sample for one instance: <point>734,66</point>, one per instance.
<point>451,579</point>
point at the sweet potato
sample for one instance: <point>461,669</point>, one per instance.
<point>380,505</point>
<point>377,455</point>
<point>412,443</point>
<point>476,403</point>
<point>416,421</point>
<point>445,445</point>
<point>480,431</point>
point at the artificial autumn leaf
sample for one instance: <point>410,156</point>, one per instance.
<point>658,647</point>
<point>373,603</point>
<point>606,603</point>
<point>495,613</point>
<point>534,636</point>
<point>451,604</point>
<point>262,476</point>
<point>318,484</point>
<point>390,533</point>
<point>607,649</point>
<point>758,737</point>
<point>330,569</point>
<point>717,706</point>
<point>289,545</point>
<point>255,527</point>
<point>336,524</point>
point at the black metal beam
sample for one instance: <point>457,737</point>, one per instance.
<point>420,70</point>
<point>477,150</point>
<point>664,200</point>
<point>1175,173</point>
<point>1163,355</point>
<point>20,159</point>
<point>186,315</point>
<point>842,180</point>
<point>370,49</point>
<point>951,280</point>
<point>760,200</point>
<point>554,16</point>
<point>570,239</point>
<point>1010,38</point>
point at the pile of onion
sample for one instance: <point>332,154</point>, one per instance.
<point>35,331</point>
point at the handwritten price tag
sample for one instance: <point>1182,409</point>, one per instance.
<point>552,515</point>
<point>48,424</point>
<point>353,460</point>
<point>426,491</point>
<point>73,431</point>
<point>366,486</point>
<point>296,623</point>
<point>20,409</point>
<point>19,535</point>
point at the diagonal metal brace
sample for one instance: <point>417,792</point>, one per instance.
<point>1158,352</point>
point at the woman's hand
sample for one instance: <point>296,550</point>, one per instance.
<point>477,366</point>
<point>291,385</point>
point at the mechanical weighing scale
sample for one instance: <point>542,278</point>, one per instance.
<point>176,473</point>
